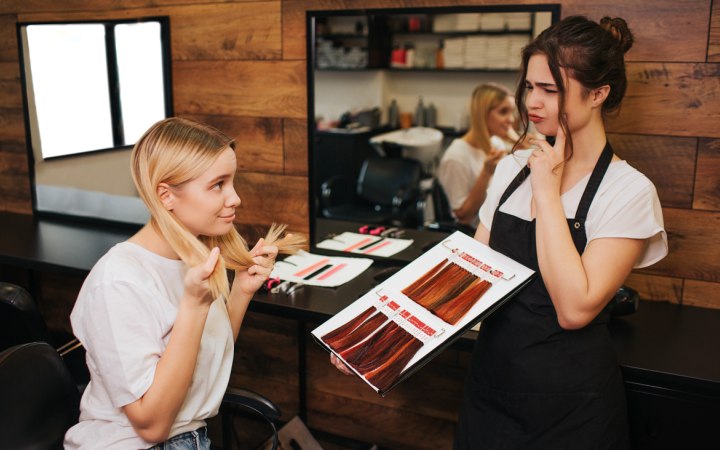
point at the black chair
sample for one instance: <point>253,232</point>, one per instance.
<point>21,322</point>
<point>24,334</point>
<point>40,400</point>
<point>444,219</point>
<point>385,192</point>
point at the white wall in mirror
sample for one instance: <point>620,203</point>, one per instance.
<point>449,92</point>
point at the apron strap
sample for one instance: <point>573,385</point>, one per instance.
<point>521,176</point>
<point>594,183</point>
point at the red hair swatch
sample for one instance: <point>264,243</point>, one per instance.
<point>357,335</point>
<point>342,330</point>
<point>454,310</point>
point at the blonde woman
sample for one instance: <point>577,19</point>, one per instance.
<point>469,162</point>
<point>156,313</point>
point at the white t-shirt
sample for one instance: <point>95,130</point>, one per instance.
<point>458,171</point>
<point>626,205</point>
<point>124,316</point>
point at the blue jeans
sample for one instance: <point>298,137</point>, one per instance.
<point>191,440</point>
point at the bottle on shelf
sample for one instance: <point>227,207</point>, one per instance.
<point>420,113</point>
<point>409,56</point>
<point>431,116</point>
<point>393,114</point>
<point>440,57</point>
<point>397,57</point>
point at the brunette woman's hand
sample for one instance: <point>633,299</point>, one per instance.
<point>339,365</point>
<point>197,286</point>
<point>546,164</point>
<point>250,280</point>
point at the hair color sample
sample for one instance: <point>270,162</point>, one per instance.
<point>451,290</point>
<point>454,310</point>
<point>359,334</point>
<point>348,327</point>
<point>357,353</point>
<point>383,349</point>
<point>384,376</point>
<point>438,278</point>
<point>415,285</point>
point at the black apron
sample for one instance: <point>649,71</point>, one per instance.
<point>532,384</point>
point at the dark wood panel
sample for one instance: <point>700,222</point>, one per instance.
<point>692,237</point>
<point>234,88</point>
<point>652,287</point>
<point>8,38</point>
<point>668,31</point>
<point>12,125</point>
<point>296,147</point>
<point>14,181</point>
<point>434,391</point>
<point>707,178</point>
<point>94,5</point>
<point>701,293</point>
<point>675,99</point>
<point>665,30</point>
<point>714,39</point>
<point>272,198</point>
<point>229,31</point>
<point>10,87</point>
<point>669,162</point>
<point>267,348</point>
<point>372,423</point>
<point>258,141</point>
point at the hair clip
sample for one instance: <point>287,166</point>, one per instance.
<point>371,230</point>
<point>271,283</point>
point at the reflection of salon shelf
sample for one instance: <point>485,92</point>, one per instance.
<point>340,51</point>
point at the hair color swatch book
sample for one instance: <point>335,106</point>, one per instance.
<point>401,324</point>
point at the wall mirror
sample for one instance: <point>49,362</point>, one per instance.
<point>90,90</point>
<point>384,83</point>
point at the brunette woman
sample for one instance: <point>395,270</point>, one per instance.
<point>543,373</point>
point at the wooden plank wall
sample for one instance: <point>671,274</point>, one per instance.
<point>240,65</point>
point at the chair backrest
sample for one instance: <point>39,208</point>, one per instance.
<point>441,204</point>
<point>39,398</point>
<point>381,179</point>
<point>20,320</point>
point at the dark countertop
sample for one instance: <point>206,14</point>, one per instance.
<point>661,343</point>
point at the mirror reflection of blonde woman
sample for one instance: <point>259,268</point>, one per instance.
<point>156,313</point>
<point>469,162</point>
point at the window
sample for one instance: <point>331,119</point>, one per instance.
<point>93,86</point>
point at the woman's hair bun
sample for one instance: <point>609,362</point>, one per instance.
<point>619,30</point>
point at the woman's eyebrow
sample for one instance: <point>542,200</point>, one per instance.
<point>541,84</point>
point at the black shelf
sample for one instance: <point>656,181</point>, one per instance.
<point>332,36</point>
<point>463,33</point>
<point>414,69</point>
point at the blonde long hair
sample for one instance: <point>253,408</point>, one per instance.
<point>485,98</point>
<point>175,151</point>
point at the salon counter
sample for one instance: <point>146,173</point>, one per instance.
<point>669,354</point>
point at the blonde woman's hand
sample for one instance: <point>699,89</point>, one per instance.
<point>546,164</point>
<point>250,280</point>
<point>339,365</point>
<point>492,159</point>
<point>196,281</point>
